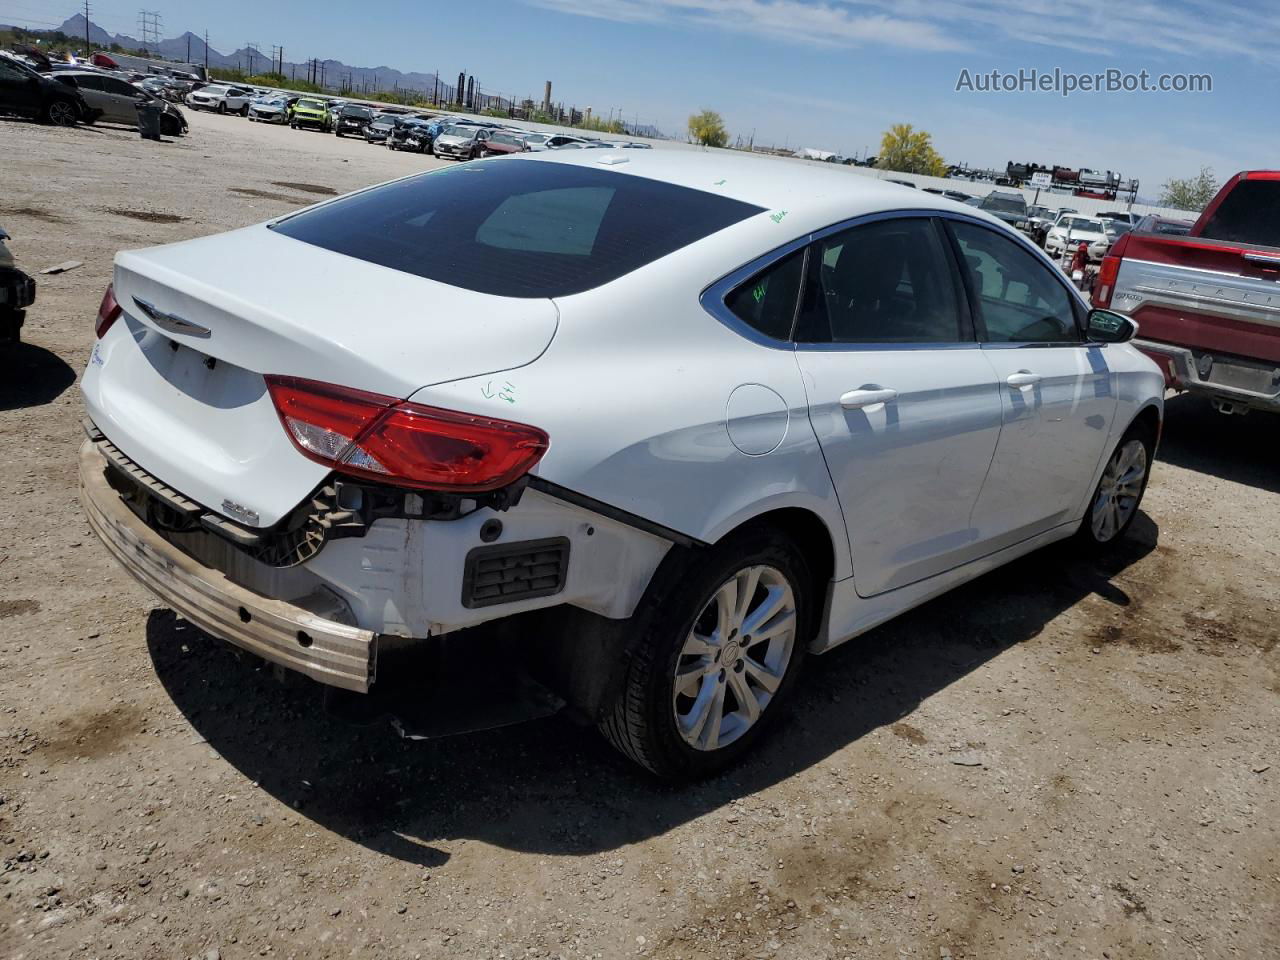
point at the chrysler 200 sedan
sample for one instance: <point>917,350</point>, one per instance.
<point>713,414</point>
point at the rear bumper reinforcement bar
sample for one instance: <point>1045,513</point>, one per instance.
<point>278,631</point>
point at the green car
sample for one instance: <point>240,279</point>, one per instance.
<point>306,112</point>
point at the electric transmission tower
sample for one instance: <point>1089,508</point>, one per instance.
<point>149,27</point>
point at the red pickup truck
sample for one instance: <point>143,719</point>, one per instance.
<point>1207,304</point>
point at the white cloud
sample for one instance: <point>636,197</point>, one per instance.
<point>1182,30</point>
<point>816,24</point>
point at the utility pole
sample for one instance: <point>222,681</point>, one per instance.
<point>88,44</point>
<point>149,25</point>
<point>206,52</point>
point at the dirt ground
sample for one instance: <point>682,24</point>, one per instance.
<point>1064,759</point>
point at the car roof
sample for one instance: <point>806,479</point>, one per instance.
<point>809,197</point>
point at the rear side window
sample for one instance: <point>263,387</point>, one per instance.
<point>883,282</point>
<point>767,302</point>
<point>517,228</point>
<point>1250,213</point>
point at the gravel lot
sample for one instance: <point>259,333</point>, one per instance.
<point>1066,758</point>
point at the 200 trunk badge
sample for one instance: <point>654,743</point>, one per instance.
<point>170,321</point>
<point>243,514</point>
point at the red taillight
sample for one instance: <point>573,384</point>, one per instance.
<point>108,312</point>
<point>373,436</point>
<point>1106,282</point>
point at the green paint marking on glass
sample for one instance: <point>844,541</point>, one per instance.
<point>720,183</point>
<point>759,292</point>
<point>777,217</point>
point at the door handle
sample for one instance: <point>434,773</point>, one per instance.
<point>1023,379</point>
<point>858,399</point>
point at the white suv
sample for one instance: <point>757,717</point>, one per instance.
<point>709,414</point>
<point>221,99</point>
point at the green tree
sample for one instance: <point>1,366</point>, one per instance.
<point>907,150</point>
<point>707,128</point>
<point>1193,193</point>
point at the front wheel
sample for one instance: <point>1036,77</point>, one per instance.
<point>1119,492</point>
<point>222,108</point>
<point>720,644</point>
<point>61,113</point>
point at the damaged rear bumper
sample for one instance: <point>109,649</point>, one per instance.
<point>1231,383</point>
<point>280,632</point>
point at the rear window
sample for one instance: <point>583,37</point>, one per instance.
<point>1250,213</point>
<point>516,228</point>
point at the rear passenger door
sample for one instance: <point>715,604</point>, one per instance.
<point>903,401</point>
<point>121,99</point>
<point>1056,392</point>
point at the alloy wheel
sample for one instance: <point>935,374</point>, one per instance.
<point>735,657</point>
<point>1119,491</point>
<point>62,114</point>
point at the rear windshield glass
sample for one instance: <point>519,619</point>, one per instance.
<point>517,228</point>
<point>1250,213</point>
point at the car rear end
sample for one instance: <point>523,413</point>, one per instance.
<point>1206,305</point>
<point>305,476</point>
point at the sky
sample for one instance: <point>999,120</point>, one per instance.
<point>826,74</point>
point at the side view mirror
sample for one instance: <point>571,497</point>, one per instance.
<point>1106,326</point>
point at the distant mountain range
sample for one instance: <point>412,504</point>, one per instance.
<point>190,48</point>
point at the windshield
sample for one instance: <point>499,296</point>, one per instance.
<point>363,112</point>
<point>517,229</point>
<point>1005,204</point>
<point>311,104</point>
<point>459,131</point>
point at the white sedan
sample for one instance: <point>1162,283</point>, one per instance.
<point>1071,231</point>
<point>711,414</point>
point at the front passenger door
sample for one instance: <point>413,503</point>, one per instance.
<point>903,402</point>
<point>1056,389</point>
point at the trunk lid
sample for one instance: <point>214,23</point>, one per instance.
<point>177,384</point>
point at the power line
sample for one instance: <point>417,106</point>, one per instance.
<point>149,25</point>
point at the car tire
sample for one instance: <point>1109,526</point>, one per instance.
<point>222,107</point>
<point>671,710</point>
<point>338,134</point>
<point>1118,495</point>
<point>61,113</point>
<point>244,111</point>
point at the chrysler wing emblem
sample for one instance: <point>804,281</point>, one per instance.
<point>170,321</point>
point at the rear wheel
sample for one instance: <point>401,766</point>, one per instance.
<point>719,649</point>
<point>244,111</point>
<point>61,113</point>
<point>1119,492</point>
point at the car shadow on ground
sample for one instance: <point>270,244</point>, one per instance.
<point>33,376</point>
<point>556,788</point>
<point>1242,449</point>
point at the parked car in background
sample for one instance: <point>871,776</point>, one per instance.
<point>459,142</point>
<point>1207,302</point>
<point>309,112</point>
<point>272,108</point>
<point>1040,232</point>
<point>252,444</point>
<point>26,93</point>
<point>1036,215</point>
<point>1072,230</point>
<point>502,143</point>
<point>118,99</point>
<point>1009,206</point>
<point>220,99</point>
<point>377,129</point>
<point>351,120</point>
<point>410,133</point>
<point>539,141</point>
<point>1152,223</point>
<point>17,292</point>
<point>1120,216</point>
